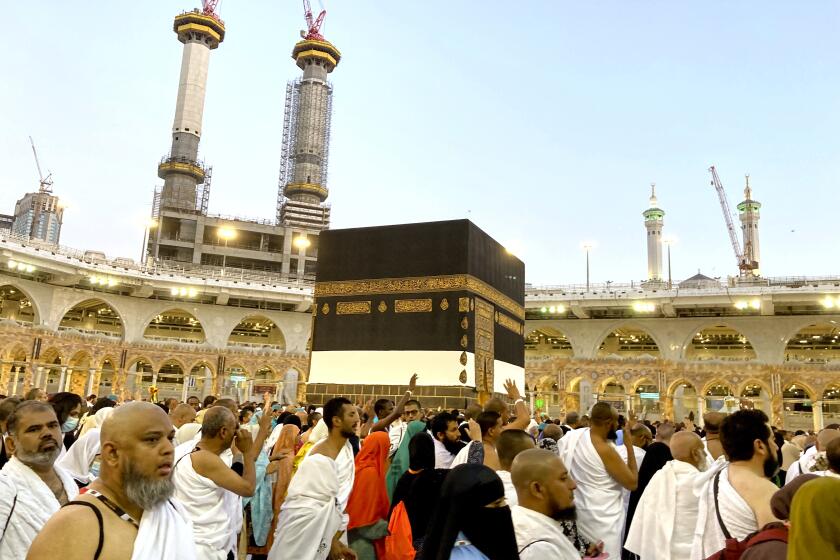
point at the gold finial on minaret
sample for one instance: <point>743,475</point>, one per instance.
<point>653,200</point>
<point>747,189</point>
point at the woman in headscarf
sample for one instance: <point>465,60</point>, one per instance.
<point>419,487</point>
<point>815,521</point>
<point>68,410</point>
<point>100,411</point>
<point>399,464</point>
<point>471,520</point>
<point>275,462</point>
<point>368,503</point>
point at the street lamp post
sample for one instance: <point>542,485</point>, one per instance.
<point>587,246</point>
<point>151,223</point>
<point>225,233</point>
<point>669,240</point>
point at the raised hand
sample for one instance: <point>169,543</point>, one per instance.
<point>474,430</point>
<point>412,383</point>
<point>512,390</point>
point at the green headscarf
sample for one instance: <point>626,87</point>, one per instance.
<point>399,464</point>
<point>815,521</point>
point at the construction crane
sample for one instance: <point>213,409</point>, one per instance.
<point>46,182</point>
<point>313,26</point>
<point>745,267</point>
<point>209,8</point>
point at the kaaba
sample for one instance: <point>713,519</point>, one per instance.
<point>440,299</point>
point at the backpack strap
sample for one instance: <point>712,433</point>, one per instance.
<point>767,535</point>
<point>8,519</point>
<point>98,519</point>
<point>717,507</point>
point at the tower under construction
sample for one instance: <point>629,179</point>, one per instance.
<point>303,192</point>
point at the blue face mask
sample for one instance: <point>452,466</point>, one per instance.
<point>94,467</point>
<point>69,425</point>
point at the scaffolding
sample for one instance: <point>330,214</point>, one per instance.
<point>202,193</point>
<point>287,161</point>
<point>294,146</point>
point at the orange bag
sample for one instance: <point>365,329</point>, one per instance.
<point>398,543</point>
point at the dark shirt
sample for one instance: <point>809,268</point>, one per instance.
<point>421,493</point>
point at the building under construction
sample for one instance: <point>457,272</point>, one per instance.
<point>181,230</point>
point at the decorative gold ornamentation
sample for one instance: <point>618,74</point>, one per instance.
<point>464,341</point>
<point>463,358</point>
<point>463,304</point>
<point>509,323</point>
<point>444,304</point>
<point>352,308</point>
<point>465,323</point>
<point>472,304</point>
<point>383,307</point>
<point>413,305</point>
<point>420,285</point>
<point>325,309</point>
<point>462,377</point>
<point>484,345</point>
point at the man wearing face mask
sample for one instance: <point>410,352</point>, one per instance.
<point>203,480</point>
<point>127,513</point>
<point>663,526</point>
<point>32,488</point>
<point>545,492</point>
<point>735,496</point>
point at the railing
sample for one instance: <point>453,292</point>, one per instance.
<point>190,272</point>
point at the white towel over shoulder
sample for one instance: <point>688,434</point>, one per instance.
<point>35,504</point>
<point>165,533</point>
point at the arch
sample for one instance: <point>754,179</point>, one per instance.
<point>814,342</point>
<point>177,325</point>
<point>137,359</point>
<point>548,342</point>
<point>832,392</point>
<point>266,374</point>
<point>93,315</point>
<point>201,363</point>
<point>610,381</point>
<point>257,330</point>
<point>15,351</point>
<point>795,388</point>
<point>752,382</point>
<point>672,387</point>
<point>574,384</point>
<point>236,366</point>
<point>172,362</point>
<point>712,385</point>
<point>51,355</point>
<point>643,381</point>
<point>718,341</point>
<point>14,301</point>
<point>628,340</point>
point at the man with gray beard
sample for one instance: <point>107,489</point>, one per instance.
<point>127,512</point>
<point>32,488</point>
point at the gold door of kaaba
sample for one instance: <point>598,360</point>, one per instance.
<point>484,349</point>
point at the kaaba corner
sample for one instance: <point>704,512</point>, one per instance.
<point>440,299</point>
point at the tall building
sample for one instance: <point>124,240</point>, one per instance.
<point>654,220</point>
<point>181,229</point>
<point>749,215</point>
<point>38,216</point>
<point>303,192</point>
<point>6,221</point>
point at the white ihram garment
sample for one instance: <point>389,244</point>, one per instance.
<point>511,497</point>
<point>206,506</point>
<point>81,454</point>
<point>310,515</point>
<point>598,498</point>
<point>443,458</point>
<point>539,537</point>
<point>345,467</point>
<point>737,515</point>
<point>34,506</point>
<point>165,533</point>
<point>663,525</point>
<point>802,465</point>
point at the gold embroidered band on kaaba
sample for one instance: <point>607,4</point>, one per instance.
<point>419,285</point>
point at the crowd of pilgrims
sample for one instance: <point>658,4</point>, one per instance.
<point>217,479</point>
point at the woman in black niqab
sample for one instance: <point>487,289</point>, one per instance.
<point>469,505</point>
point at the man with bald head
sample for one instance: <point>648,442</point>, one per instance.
<point>510,444</point>
<point>127,512</point>
<point>209,488</point>
<point>545,492</point>
<point>182,414</point>
<point>600,475</point>
<point>663,526</point>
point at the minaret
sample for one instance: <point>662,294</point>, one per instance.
<point>749,215</point>
<point>306,135</point>
<point>181,170</point>
<point>653,223</point>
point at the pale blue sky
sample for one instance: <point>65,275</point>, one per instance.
<point>542,121</point>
